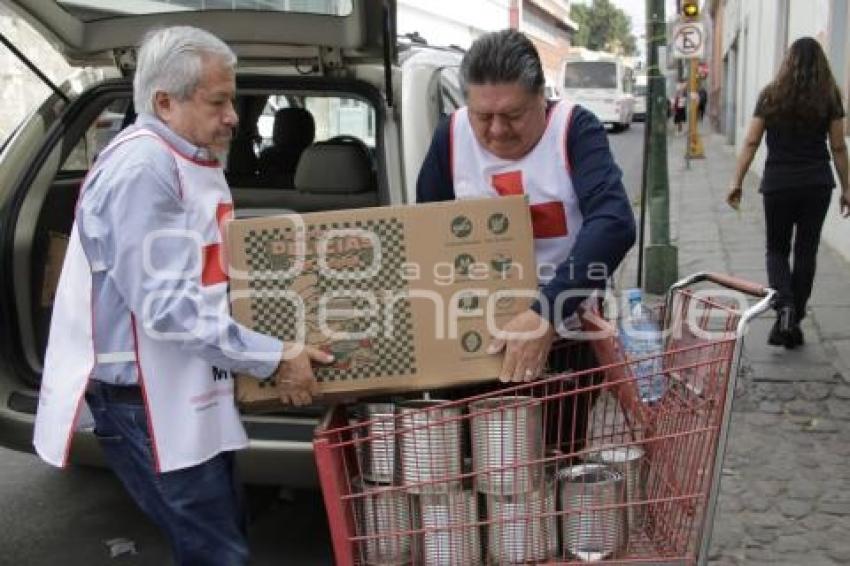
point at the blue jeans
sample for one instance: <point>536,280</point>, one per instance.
<point>200,508</point>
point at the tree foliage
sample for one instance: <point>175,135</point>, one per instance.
<point>603,27</point>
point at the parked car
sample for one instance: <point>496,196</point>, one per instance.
<point>333,64</point>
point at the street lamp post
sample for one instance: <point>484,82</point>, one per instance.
<point>662,259</point>
<point>690,11</point>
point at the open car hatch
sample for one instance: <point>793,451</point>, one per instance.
<point>319,35</point>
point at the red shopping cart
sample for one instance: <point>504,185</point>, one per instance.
<point>572,468</point>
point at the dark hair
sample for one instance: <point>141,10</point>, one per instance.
<point>505,56</point>
<point>804,90</point>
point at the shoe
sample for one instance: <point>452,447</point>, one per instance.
<point>780,334</point>
<point>797,336</point>
<point>787,321</point>
<point>777,337</point>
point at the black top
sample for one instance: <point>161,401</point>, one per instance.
<point>797,156</point>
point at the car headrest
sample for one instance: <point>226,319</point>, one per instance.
<point>293,127</point>
<point>335,168</point>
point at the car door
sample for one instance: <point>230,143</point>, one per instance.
<point>431,92</point>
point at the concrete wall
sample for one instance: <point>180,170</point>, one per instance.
<point>447,22</point>
<point>551,56</point>
<point>552,46</point>
<point>716,73</point>
<point>552,43</point>
<point>808,17</point>
<point>758,60</point>
<point>836,230</point>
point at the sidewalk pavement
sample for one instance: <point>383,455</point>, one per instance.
<point>785,493</point>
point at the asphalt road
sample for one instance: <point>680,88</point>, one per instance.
<point>76,517</point>
<point>627,147</point>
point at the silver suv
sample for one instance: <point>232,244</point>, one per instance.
<point>342,66</point>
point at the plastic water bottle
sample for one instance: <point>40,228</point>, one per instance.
<point>640,337</point>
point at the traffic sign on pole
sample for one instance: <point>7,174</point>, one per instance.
<point>689,40</point>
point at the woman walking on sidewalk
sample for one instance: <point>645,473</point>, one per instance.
<point>799,110</point>
<point>680,106</point>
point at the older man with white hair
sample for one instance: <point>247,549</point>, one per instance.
<point>141,328</point>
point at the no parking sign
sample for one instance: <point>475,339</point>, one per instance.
<point>689,40</point>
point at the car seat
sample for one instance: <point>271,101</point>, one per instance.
<point>294,130</point>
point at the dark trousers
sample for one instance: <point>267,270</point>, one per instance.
<point>198,508</point>
<point>799,214</point>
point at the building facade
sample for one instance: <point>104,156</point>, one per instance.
<point>548,24</point>
<point>446,22</point>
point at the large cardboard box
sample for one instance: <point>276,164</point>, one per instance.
<point>405,297</point>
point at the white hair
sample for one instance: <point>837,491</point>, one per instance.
<point>171,60</point>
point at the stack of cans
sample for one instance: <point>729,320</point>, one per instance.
<point>431,448</point>
<point>450,535</point>
<point>507,456</point>
<point>377,454</point>
<point>382,513</point>
<point>430,445</point>
<point>418,504</point>
<point>523,527</point>
<point>507,433</point>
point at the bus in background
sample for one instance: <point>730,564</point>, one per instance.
<point>600,82</point>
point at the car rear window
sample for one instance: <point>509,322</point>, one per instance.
<point>98,135</point>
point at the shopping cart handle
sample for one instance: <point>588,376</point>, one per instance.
<point>728,281</point>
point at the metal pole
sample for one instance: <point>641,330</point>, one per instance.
<point>695,149</point>
<point>680,65</point>
<point>643,195</point>
<point>647,140</point>
<point>661,258</point>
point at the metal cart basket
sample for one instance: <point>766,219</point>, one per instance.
<point>571,468</point>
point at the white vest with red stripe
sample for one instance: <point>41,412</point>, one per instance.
<point>190,406</point>
<point>543,174</point>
